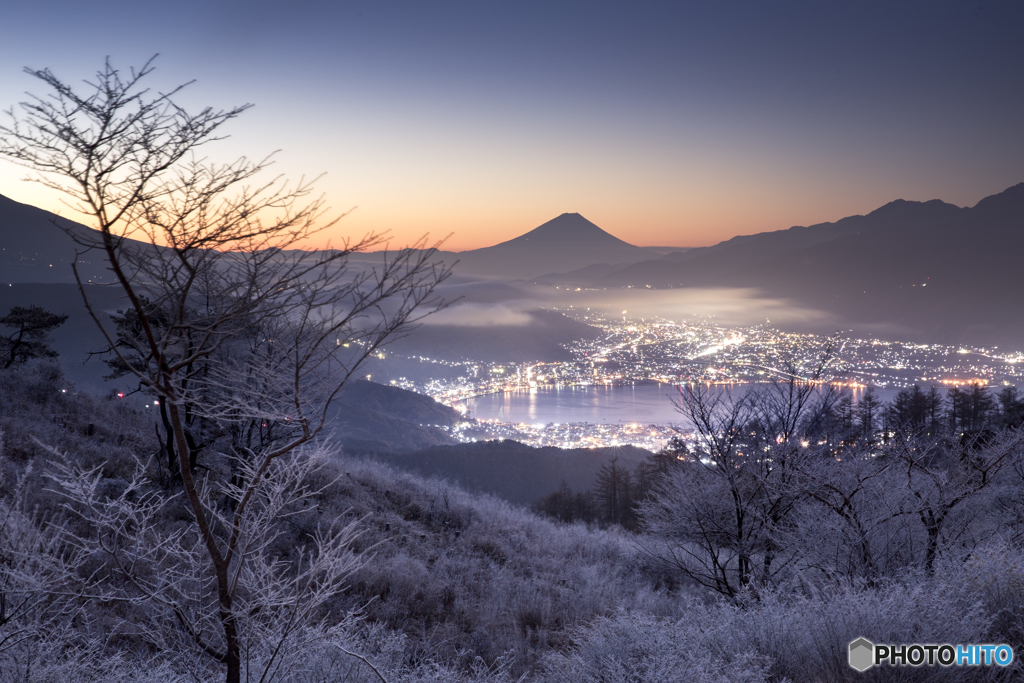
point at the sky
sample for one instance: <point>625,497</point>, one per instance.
<point>667,124</point>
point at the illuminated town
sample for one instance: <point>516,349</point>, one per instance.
<point>644,350</point>
<point>569,435</point>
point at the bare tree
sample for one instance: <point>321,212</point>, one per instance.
<point>721,514</point>
<point>850,523</point>
<point>940,477</point>
<point>205,255</point>
<point>873,498</point>
<point>157,570</point>
<point>705,514</point>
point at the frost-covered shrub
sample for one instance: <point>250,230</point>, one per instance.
<point>807,638</point>
<point>39,382</point>
<point>637,648</point>
<point>66,656</point>
<point>370,653</point>
<point>779,637</point>
<point>40,410</point>
<point>467,576</point>
<point>994,575</point>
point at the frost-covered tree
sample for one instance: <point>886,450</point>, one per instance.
<point>708,518</point>
<point>720,517</point>
<point>940,479</point>
<point>205,255</point>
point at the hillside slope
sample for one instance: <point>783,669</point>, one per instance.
<point>513,471</point>
<point>371,417</point>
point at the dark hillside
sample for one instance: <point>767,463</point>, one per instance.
<point>378,418</point>
<point>34,247</point>
<point>397,402</point>
<point>513,471</point>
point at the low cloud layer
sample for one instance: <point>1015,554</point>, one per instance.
<point>730,307</point>
<point>482,315</point>
<point>724,306</point>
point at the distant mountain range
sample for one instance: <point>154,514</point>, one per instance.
<point>938,271</point>
<point>34,249</point>
<point>930,270</point>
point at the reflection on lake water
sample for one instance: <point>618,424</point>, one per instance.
<point>643,403</point>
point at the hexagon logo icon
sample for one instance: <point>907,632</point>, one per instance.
<point>862,654</point>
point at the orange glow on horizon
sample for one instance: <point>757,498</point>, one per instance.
<point>468,221</point>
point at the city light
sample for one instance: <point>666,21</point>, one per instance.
<point>699,351</point>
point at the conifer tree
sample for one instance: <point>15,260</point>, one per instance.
<point>29,339</point>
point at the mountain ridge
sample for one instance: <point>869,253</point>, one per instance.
<point>869,270</point>
<point>36,246</point>
<point>896,217</point>
<point>862,269</point>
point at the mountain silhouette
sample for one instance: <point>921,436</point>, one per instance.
<point>565,243</point>
<point>722,263</point>
<point>35,246</point>
<point>568,230</point>
<point>930,269</point>
<point>34,249</point>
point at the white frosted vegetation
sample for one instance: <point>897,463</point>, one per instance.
<point>377,574</point>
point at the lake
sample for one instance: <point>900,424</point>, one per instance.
<point>643,403</point>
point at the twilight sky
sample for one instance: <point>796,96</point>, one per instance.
<point>674,124</point>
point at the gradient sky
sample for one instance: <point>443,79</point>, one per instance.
<point>676,124</point>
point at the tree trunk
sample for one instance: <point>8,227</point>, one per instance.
<point>232,651</point>
<point>933,525</point>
